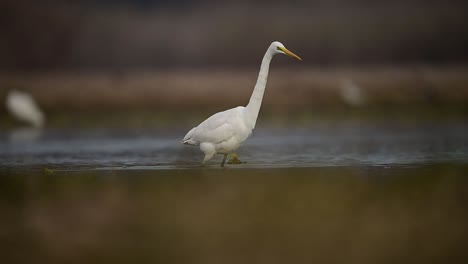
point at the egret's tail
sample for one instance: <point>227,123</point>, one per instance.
<point>190,142</point>
<point>188,139</point>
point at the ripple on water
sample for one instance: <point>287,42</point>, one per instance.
<point>340,144</point>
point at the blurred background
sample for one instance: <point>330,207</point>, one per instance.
<point>359,156</point>
<point>162,59</point>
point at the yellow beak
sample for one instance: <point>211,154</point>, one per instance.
<point>290,53</point>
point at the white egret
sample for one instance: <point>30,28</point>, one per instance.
<point>351,93</point>
<point>224,132</point>
<point>22,106</point>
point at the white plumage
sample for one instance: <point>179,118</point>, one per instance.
<point>23,107</point>
<point>224,132</point>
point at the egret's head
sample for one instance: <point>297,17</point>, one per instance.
<point>278,47</point>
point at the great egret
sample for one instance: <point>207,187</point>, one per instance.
<point>23,107</point>
<point>224,132</point>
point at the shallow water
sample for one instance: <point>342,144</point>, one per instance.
<point>337,214</point>
<point>334,192</point>
<point>326,144</point>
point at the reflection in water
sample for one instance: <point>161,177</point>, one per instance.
<point>25,135</point>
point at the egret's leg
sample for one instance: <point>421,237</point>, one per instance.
<point>207,158</point>
<point>234,159</point>
<point>209,151</point>
<point>224,159</point>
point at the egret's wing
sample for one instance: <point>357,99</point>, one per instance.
<point>221,133</point>
<point>217,128</point>
<point>201,134</point>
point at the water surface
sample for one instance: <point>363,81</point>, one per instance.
<point>332,192</point>
<point>325,144</point>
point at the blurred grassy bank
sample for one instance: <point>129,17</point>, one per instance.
<point>295,215</point>
<point>298,94</point>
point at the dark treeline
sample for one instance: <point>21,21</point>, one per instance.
<point>96,35</point>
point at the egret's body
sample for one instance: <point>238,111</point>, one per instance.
<point>23,107</point>
<point>224,132</point>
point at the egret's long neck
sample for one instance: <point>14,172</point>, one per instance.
<point>253,108</point>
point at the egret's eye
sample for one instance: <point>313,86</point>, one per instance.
<point>278,48</point>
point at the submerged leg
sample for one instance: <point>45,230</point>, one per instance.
<point>224,159</point>
<point>234,159</point>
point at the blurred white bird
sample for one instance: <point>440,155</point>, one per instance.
<point>23,107</point>
<point>351,93</point>
<point>224,132</point>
